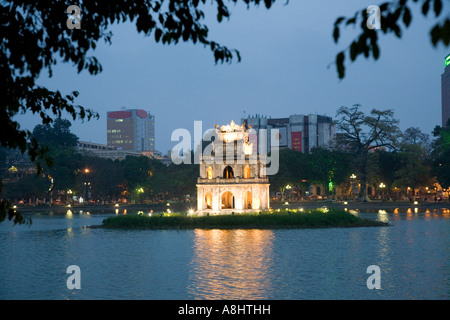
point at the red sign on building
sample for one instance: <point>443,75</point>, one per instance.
<point>296,140</point>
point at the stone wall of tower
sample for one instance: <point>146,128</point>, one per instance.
<point>257,170</point>
<point>259,197</point>
<point>246,189</point>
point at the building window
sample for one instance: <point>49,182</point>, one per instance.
<point>228,173</point>
<point>208,200</point>
<point>247,172</point>
<point>227,200</point>
<point>248,200</point>
<point>209,173</point>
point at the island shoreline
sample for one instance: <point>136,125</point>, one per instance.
<point>372,206</point>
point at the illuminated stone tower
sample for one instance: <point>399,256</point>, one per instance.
<point>232,178</point>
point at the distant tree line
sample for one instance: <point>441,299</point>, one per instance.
<point>369,147</point>
<point>67,173</point>
<point>372,150</point>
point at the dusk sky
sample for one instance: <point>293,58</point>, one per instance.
<point>287,68</point>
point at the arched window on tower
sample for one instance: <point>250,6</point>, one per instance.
<point>209,173</point>
<point>228,173</point>
<point>246,172</point>
<point>227,200</point>
<point>248,200</point>
<point>208,200</point>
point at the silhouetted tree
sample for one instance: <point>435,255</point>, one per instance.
<point>359,134</point>
<point>35,36</point>
<point>393,14</point>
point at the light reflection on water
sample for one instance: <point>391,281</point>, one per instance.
<point>413,255</point>
<point>231,264</point>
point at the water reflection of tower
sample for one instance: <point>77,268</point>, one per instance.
<point>232,264</point>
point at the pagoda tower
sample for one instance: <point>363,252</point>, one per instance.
<point>232,178</point>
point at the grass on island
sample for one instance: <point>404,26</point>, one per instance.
<point>316,218</point>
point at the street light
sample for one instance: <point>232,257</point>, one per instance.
<point>382,186</point>
<point>139,191</point>
<point>352,184</point>
<point>86,183</point>
<point>288,187</point>
<point>69,196</point>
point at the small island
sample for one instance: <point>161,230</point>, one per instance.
<point>314,218</point>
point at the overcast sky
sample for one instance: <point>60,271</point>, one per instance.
<point>287,68</point>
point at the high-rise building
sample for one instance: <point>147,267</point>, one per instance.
<point>297,132</point>
<point>445,87</point>
<point>131,129</point>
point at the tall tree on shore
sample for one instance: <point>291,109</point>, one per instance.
<point>360,134</point>
<point>414,158</point>
<point>61,159</point>
<point>291,171</point>
<point>327,167</point>
<point>441,155</point>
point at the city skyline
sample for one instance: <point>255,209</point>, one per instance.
<point>286,68</point>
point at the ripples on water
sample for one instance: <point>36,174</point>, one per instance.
<point>413,255</point>
<point>231,264</point>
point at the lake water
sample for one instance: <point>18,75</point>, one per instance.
<point>413,255</point>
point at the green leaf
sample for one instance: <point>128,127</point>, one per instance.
<point>340,64</point>
<point>435,34</point>
<point>375,51</point>
<point>351,21</point>
<point>339,20</point>
<point>268,3</point>
<point>406,17</point>
<point>353,51</point>
<point>336,34</point>
<point>158,34</point>
<point>437,7</point>
<point>426,7</point>
<point>445,32</point>
<point>238,55</point>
